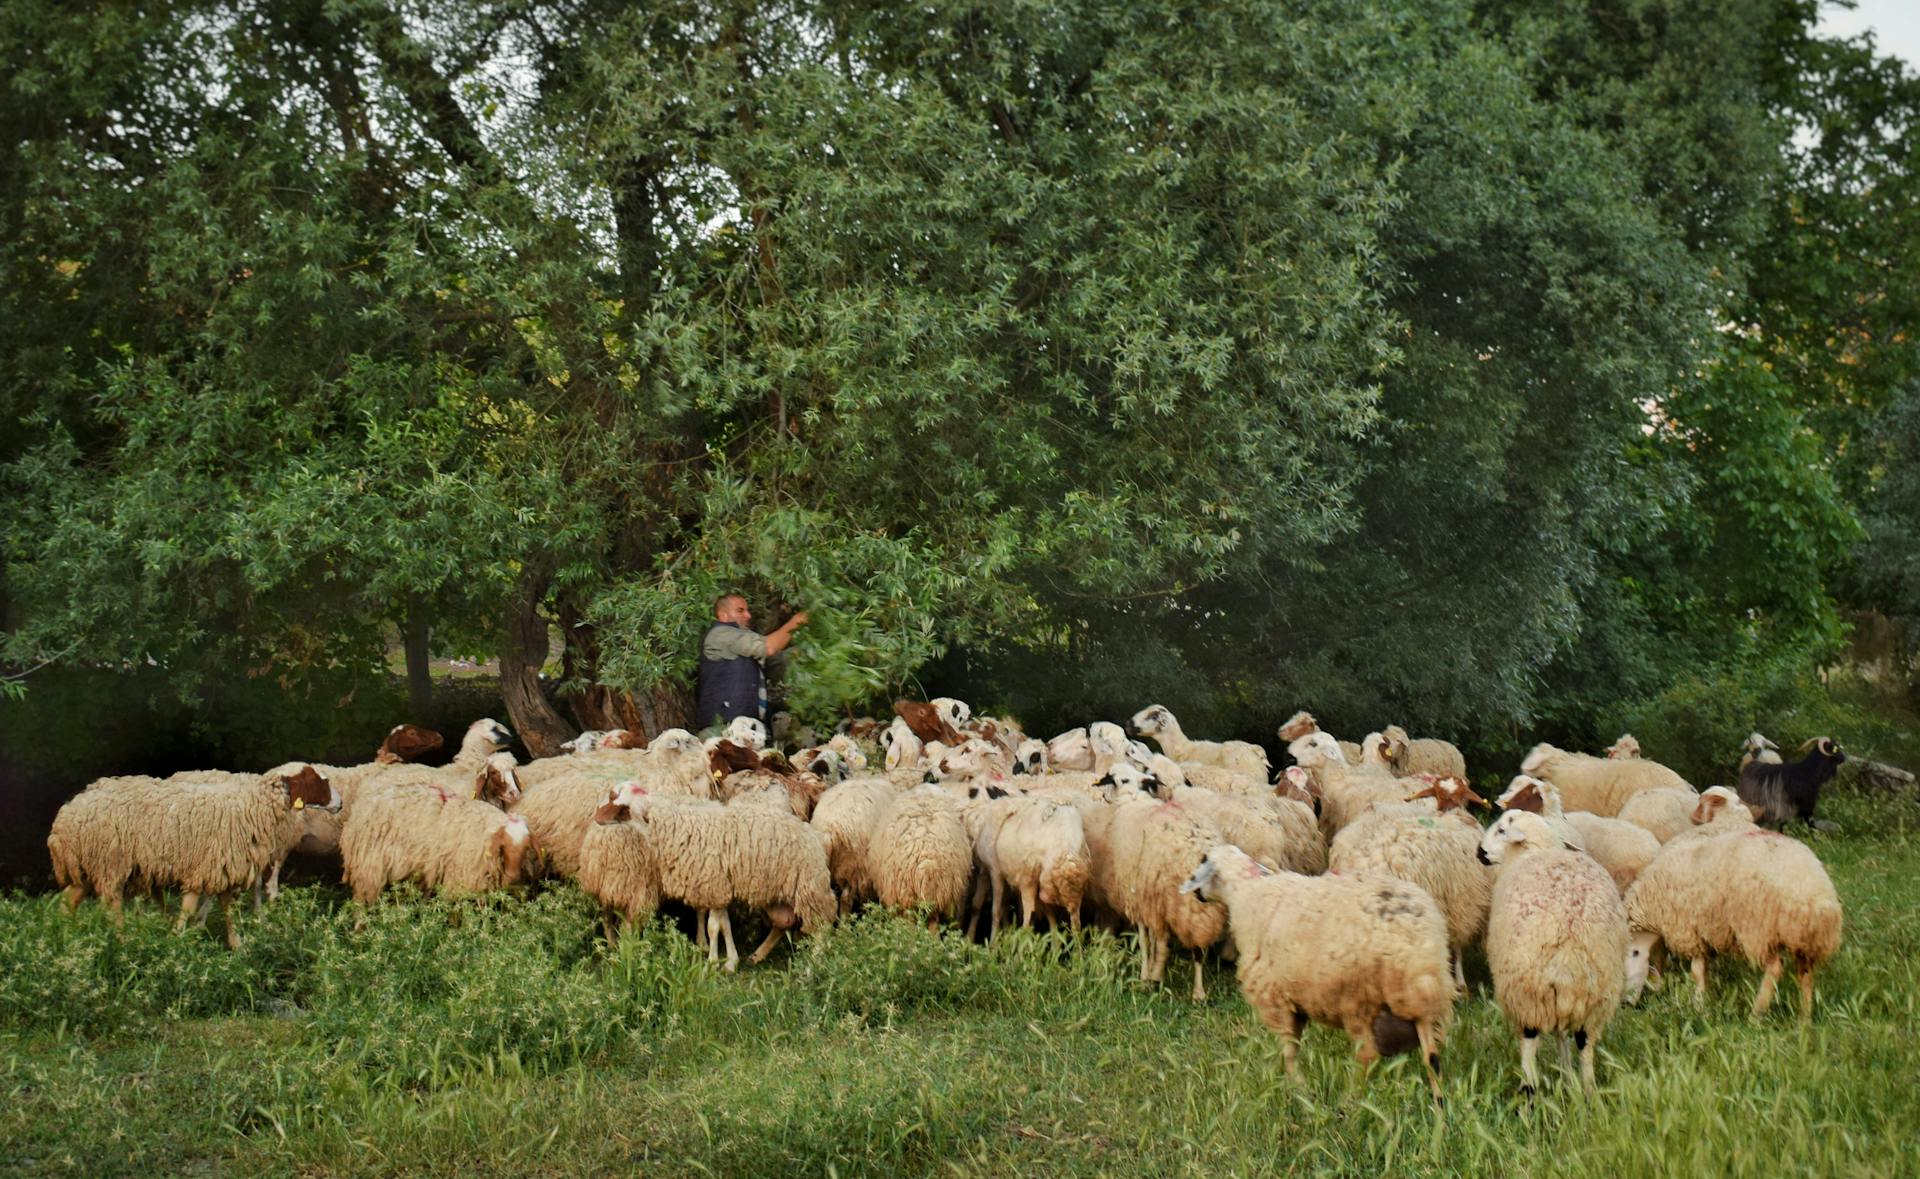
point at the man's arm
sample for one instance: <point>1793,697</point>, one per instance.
<point>778,640</point>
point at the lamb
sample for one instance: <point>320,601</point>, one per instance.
<point>1624,746</point>
<point>845,816</point>
<point>1791,790</point>
<point>1039,845</point>
<point>1663,813</point>
<point>1743,889</point>
<point>1621,847</point>
<point>446,842</point>
<point>1433,852</point>
<point>1556,940</point>
<point>1153,848</point>
<point>1301,723</point>
<point>617,867</point>
<point>1345,790</point>
<point>1423,755</point>
<point>1598,785</point>
<point>1244,757</point>
<point>919,853</point>
<point>1367,954</point>
<point>711,856</point>
<point>1757,748</point>
<point>209,838</point>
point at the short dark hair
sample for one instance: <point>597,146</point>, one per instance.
<point>722,600</point>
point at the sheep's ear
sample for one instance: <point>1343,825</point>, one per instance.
<point>1202,876</point>
<point>613,812</point>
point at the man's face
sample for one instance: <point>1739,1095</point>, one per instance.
<point>734,610</point>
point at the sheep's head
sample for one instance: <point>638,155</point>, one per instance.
<point>1316,749</point>
<point>1640,949</point>
<point>625,739</point>
<point>927,721</point>
<point>487,733</point>
<point>407,743</point>
<point>1152,720</point>
<point>1525,794</point>
<point>1298,725</point>
<point>1625,746</point>
<point>1537,757</point>
<point>824,764</point>
<point>847,749</point>
<point>726,756</point>
<point>304,786</point>
<point>1297,783</point>
<point>1718,803</point>
<point>1223,864</point>
<point>1516,833</point>
<point>498,784</point>
<point>1126,780</point>
<point>1448,793</point>
<point>1030,757</point>
<point>1373,750</point>
<point>972,756</point>
<point>512,841</point>
<point>1394,743</point>
<point>1071,750</point>
<point>954,712</point>
<point>674,741</point>
<point>612,812</point>
<point>1757,743</point>
<point>748,731</point>
<point>905,748</point>
<point>1107,739</point>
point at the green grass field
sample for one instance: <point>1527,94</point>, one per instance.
<point>503,1038</point>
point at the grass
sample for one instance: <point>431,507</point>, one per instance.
<point>503,1038</point>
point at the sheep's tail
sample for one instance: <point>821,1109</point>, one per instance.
<point>66,867</point>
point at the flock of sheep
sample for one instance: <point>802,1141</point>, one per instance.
<point>1346,889</point>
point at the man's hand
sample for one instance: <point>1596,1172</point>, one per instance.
<point>778,640</point>
<point>799,619</point>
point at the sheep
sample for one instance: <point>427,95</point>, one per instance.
<point>1624,746</point>
<point>1598,785</point>
<point>1757,748</point>
<point>444,841</point>
<point>1431,851</point>
<point>1423,755</point>
<point>1038,845</point>
<point>1109,742</point>
<point>711,856</point>
<point>927,722</point>
<point>919,853</point>
<point>1279,833</point>
<point>1071,750</point>
<point>845,816</point>
<point>1157,721</point>
<point>1153,846</point>
<point>1663,813</point>
<point>595,739</point>
<point>1791,790</point>
<point>1622,847</point>
<point>903,747</point>
<point>675,761</point>
<point>1745,890</point>
<point>1345,790</point>
<point>1030,757</point>
<point>209,838</point>
<point>1367,954</point>
<point>617,867</point>
<point>559,813</point>
<point>1556,940</point>
<point>749,731</point>
<point>1301,723</point>
<point>955,713</point>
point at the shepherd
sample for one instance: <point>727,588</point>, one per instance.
<point>735,661</point>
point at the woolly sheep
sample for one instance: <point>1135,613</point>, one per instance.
<point>1662,813</point>
<point>617,867</point>
<point>919,853</point>
<point>845,816</point>
<point>1039,846</point>
<point>1153,848</point>
<point>1301,723</point>
<point>1279,833</point>
<point>903,748</point>
<point>1598,785</point>
<point>404,744</point>
<point>1423,755</point>
<point>448,843</point>
<point>674,762</point>
<point>1733,887</point>
<point>595,739</point>
<point>1071,750</point>
<point>1556,940</point>
<point>1621,847</point>
<point>1624,746</point>
<point>1346,791</point>
<point>208,838</point>
<point>1435,853</point>
<point>1158,721</point>
<point>1366,954</point>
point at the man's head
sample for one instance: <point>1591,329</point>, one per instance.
<point>732,608</point>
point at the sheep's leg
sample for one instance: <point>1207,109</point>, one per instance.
<point>1028,899</point>
<point>1430,1053</point>
<point>1460,972</point>
<point>1073,922</point>
<point>1290,1042</point>
<point>1146,954</point>
<point>189,901</point>
<point>766,947</point>
<point>115,899</point>
<point>1586,1044</point>
<point>700,919</point>
<point>1566,1054</point>
<point>1771,979</point>
<point>206,911</point>
<point>1366,1051</point>
<point>726,929</point>
<point>977,903</point>
<point>1804,969</point>
<point>1700,979</point>
<point>999,901</point>
<point>1529,1072</point>
<point>1200,975</point>
<point>226,908</point>
<point>75,894</point>
<point>1162,948</point>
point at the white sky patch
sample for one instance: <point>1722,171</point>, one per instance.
<point>1895,25</point>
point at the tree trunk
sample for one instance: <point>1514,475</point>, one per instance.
<point>602,706</point>
<point>522,655</point>
<point>419,673</point>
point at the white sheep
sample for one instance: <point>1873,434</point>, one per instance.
<point>1622,848</point>
<point>209,838</point>
<point>902,746</point>
<point>674,762</point>
<point>1039,846</point>
<point>1435,852</point>
<point>1758,748</point>
<point>444,841</point>
<point>1346,791</point>
<point>1301,723</point>
<point>954,712</point>
<point>1423,755</point>
<point>1152,849</point>
<point>919,853</point>
<point>1157,721</point>
<point>405,743</point>
<point>845,816</point>
<point>1367,954</point>
<point>1279,833</point>
<point>1071,750</point>
<point>1731,887</point>
<point>1030,757</point>
<point>618,869</point>
<point>1663,813</point>
<point>1556,940</point>
<point>1598,785</point>
<point>1624,746</point>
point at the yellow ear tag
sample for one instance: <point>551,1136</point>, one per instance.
<point>718,776</point>
<point>476,792</point>
<point>299,804</point>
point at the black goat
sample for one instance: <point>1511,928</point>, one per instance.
<point>1790,790</point>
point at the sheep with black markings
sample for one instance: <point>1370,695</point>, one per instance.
<point>1434,852</point>
<point>1556,940</point>
<point>1366,954</point>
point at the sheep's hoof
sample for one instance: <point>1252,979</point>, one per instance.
<point>1526,1091</point>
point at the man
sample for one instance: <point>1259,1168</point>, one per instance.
<point>733,678</point>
